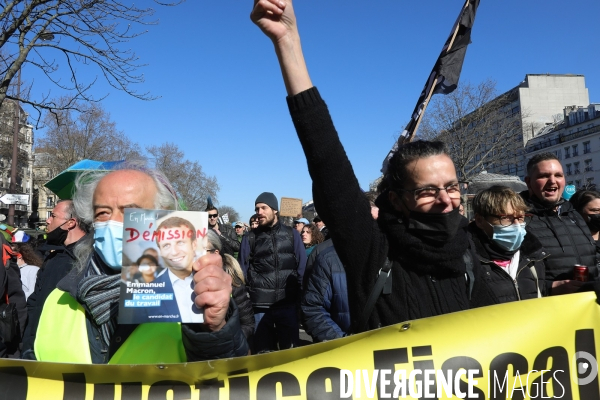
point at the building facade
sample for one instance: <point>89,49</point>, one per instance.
<point>534,103</point>
<point>24,182</point>
<point>575,140</point>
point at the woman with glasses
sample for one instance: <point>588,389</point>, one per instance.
<point>513,260</point>
<point>238,283</point>
<point>311,236</point>
<point>419,228</point>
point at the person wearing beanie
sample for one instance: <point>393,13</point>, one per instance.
<point>273,259</point>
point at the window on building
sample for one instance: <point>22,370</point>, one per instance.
<point>588,165</point>
<point>590,181</point>
<point>586,147</point>
<point>50,202</point>
<point>576,166</point>
<point>578,183</point>
<point>48,213</point>
<point>567,152</point>
<point>569,170</point>
<point>575,150</point>
<point>557,154</point>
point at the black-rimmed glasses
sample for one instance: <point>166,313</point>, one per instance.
<point>508,220</point>
<point>454,190</point>
<point>213,215</point>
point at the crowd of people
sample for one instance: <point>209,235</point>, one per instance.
<point>369,259</point>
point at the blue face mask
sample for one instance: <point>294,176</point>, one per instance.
<point>108,242</point>
<point>509,237</point>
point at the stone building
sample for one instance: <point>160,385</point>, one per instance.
<point>24,182</point>
<point>575,140</point>
<point>536,101</point>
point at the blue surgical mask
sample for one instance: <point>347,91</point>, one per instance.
<point>509,237</point>
<point>108,242</point>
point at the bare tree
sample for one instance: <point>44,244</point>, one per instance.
<point>73,136</point>
<point>480,128</point>
<point>187,177</point>
<point>71,33</point>
<point>231,213</point>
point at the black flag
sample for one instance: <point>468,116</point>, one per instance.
<point>445,73</point>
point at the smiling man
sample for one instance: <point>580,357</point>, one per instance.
<point>560,229</point>
<point>177,245</point>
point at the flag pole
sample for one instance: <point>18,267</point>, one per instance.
<point>408,139</point>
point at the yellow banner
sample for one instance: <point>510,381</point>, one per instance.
<point>534,349</point>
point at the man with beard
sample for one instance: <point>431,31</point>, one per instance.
<point>225,232</point>
<point>561,230</point>
<point>65,229</point>
<point>273,260</point>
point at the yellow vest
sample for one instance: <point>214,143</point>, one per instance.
<point>62,337</point>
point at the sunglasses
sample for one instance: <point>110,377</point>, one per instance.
<point>213,215</point>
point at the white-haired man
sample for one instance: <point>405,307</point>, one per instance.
<point>84,305</point>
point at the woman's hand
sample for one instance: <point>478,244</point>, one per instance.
<point>277,20</point>
<point>274,17</point>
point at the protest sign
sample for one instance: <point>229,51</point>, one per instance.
<point>290,207</point>
<point>532,349</point>
<point>159,249</point>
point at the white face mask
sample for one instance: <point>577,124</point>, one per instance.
<point>145,268</point>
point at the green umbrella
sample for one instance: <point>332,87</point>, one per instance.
<point>63,184</point>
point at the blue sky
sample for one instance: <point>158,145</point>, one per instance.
<point>223,100</point>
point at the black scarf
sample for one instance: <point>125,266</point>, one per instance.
<point>99,294</point>
<point>421,255</point>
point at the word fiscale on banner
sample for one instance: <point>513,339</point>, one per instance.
<point>533,349</point>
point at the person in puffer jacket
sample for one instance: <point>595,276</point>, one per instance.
<point>325,308</point>
<point>561,230</point>
<point>513,260</point>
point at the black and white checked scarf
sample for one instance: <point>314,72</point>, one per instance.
<point>99,294</point>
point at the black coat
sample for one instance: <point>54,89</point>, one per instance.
<point>58,262</point>
<point>433,288</point>
<point>242,300</point>
<point>229,240</point>
<point>10,281</point>
<point>526,285</point>
<point>565,236</point>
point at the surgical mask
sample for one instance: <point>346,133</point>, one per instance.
<point>144,268</point>
<point>108,242</point>
<point>594,222</point>
<point>437,227</point>
<point>509,237</point>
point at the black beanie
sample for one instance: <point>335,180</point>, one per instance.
<point>269,199</point>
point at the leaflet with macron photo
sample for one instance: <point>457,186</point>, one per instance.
<point>159,250</point>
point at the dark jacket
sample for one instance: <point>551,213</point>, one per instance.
<point>274,267</point>
<point>242,299</point>
<point>229,240</point>
<point>364,244</point>
<point>199,346</point>
<point>58,262</point>
<point>325,308</point>
<point>531,255</point>
<point>565,236</point>
<point>10,281</point>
